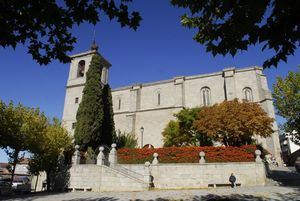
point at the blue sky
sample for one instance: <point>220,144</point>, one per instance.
<point>160,49</point>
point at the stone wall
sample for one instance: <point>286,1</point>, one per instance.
<point>179,176</point>
<point>165,176</point>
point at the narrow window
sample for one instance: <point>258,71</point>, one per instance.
<point>158,98</point>
<point>248,94</point>
<point>73,125</point>
<point>205,93</point>
<point>119,103</point>
<point>76,100</point>
<point>81,67</point>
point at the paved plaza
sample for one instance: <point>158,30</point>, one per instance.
<point>254,193</point>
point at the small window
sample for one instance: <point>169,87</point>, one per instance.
<point>76,100</point>
<point>81,67</point>
<point>248,94</point>
<point>158,98</point>
<point>119,103</point>
<point>205,96</point>
<point>74,125</point>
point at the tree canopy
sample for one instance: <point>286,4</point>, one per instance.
<point>108,125</point>
<point>56,141</point>
<point>234,123</point>
<point>21,129</point>
<point>45,26</point>
<point>28,129</point>
<point>171,134</point>
<point>226,27</point>
<point>181,132</point>
<point>287,102</point>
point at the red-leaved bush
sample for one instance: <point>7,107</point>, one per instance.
<point>188,154</point>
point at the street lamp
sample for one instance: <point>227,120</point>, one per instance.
<point>142,132</point>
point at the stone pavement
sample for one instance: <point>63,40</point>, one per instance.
<point>275,193</point>
<point>284,184</point>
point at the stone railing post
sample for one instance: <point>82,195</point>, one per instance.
<point>155,160</point>
<point>147,174</point>
<point>257,154</point>
<point>202,154</point>
<point>101,157</point>
<point>112,157</point>
<point>76,156</point>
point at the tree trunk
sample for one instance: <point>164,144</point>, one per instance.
<point>15,161</point>
<point>48,180</point>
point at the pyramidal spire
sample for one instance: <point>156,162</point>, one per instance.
<point>94,46</point>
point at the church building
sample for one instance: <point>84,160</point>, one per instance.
<point>145,109</point>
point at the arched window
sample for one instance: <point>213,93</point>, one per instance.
<point>80,69</point>
<point>205,96</point>
<point>248,94</point>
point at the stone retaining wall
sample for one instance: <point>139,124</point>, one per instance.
<point>178,176</point>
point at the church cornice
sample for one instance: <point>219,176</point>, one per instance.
<point>220,73</point>
<point>148,110</point>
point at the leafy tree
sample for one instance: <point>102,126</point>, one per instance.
<point>171,134</point>
<point>21,129</point>
<point>56,141</point>
<point>234,123</point>
<point>108,127</point>
<point>45,26</point>
<point>2,123</point>
<point>287,101</point>
<point>225,27</point>
<point>90,114</point>
<point>182,131</point>
<point>125,140</point>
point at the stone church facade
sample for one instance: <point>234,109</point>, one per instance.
<point>152,105</point>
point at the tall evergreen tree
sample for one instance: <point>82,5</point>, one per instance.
<point>108,128</point>
<point>90,114</point>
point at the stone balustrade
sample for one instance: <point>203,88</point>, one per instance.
<point>202,154</point>
<point>101,157</point>
<point>76,156</point>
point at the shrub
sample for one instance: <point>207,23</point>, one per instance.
<point>188,154</point>
<point>125,140</point>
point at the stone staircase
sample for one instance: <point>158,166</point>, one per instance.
<point>124,179</point>
<point>105,175</point>
<point>105,178</point>
<point>128,173</point>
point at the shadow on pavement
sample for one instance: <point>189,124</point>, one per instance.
<point>285,178</point>
<point>94,199</point>
<point>30,196</point>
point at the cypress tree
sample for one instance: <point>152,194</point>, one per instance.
<point>108,128</point>
<point>90,114</point>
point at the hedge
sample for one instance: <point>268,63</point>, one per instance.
<point>187,154</point>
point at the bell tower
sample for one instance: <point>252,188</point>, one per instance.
<point>76,81</point>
